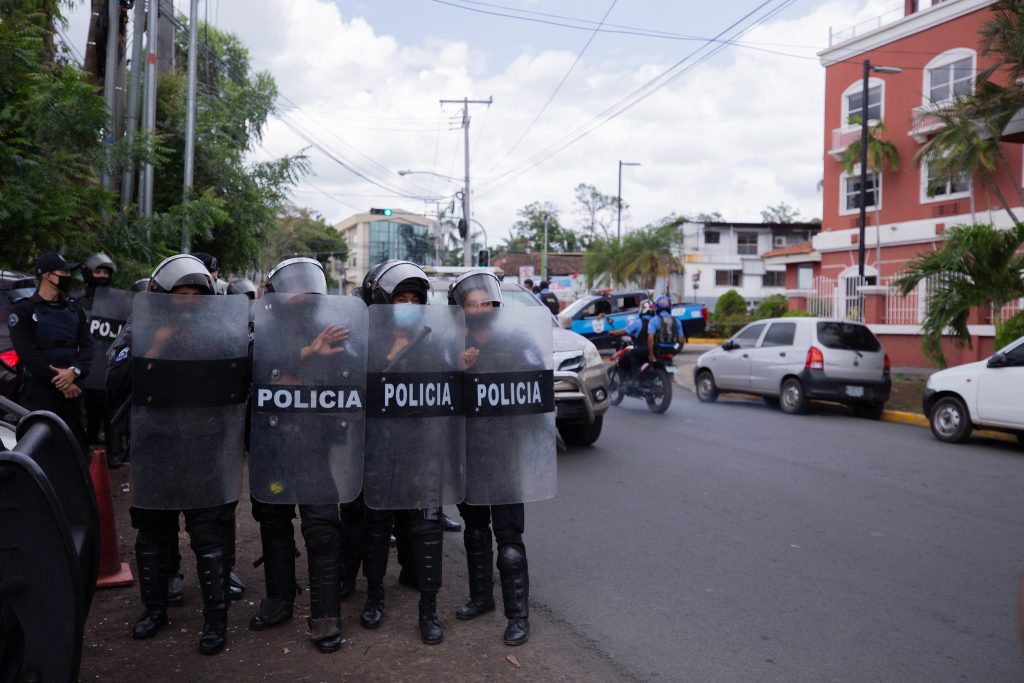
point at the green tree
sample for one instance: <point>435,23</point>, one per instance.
<point>977,266</point>
<point>301,232</point>
<point>780,213</point>
<point>641,257</point>
<point>604,263</point>
<point>772,306</point>
<point>528,231</point>
<point>50,145</point>
<point>730,305</point>
<point>597,210</point>
<point>881,153</point>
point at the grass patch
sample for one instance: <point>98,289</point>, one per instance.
<point>907,391</point>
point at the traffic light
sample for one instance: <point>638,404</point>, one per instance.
<point>381,212</point>
<point>483,258</point>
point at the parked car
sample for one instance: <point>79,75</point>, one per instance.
<point>596,315</point>
<point>986,394</point>
<point>13,286</point>
<point>581,384</point>
<point>790,361</point>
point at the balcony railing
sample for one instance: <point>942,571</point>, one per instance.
<point>924,121</point>
<point>842,35</point>
<point>841,139</point>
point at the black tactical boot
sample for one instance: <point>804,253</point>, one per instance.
<point>152,564</point>
<point>431,632</point>
<point>428,573</point>
<point>213,578</point>
<point>479,557</point>
<point>175,579</point>
<point>324,593</point>
<point>515,592</point>
<point>373,612</point>
<point>353,545</point>
<point>279,572</point>
<point>236,587</point>
<point>375,566</point>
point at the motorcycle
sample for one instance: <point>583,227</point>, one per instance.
<point>653,382</point>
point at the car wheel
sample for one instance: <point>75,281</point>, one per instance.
<point>871,411</point>
<point>580,434</point>
<point>792,399</point>
<point>949,420</point>
<point>659,397</point>
<point>707,390</point>
<point>615,392</point>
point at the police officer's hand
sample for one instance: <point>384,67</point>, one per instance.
<point>64,378</point>
<point>73,391</point>
<point>400,343</point>
<point>327,343</point>
<point>469,357</point>
<point>651,358</point>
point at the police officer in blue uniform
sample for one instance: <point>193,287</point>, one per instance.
<point>51,335</point>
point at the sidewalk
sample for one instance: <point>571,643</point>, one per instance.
<point>472,650</point>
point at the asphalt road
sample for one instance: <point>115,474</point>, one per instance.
<point>731,542</point>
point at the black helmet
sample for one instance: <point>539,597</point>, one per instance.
<point>141,285</point>
<point>180,270</point>
<point>389,278</point>
<point>100,260</point>
<point>209,260</point>
<point>242,285</point>
<point>298,275</point>
<point>484,280</point>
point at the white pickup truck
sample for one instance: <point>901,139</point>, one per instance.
<point>988,394</point>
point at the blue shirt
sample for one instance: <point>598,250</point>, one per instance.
<point>634,328</point>
<point>652,329</point>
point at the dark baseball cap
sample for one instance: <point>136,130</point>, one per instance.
<point>209,260</point>
<point>51,261</point>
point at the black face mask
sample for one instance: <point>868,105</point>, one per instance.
<point>64,284</point>
<point>101,281</point>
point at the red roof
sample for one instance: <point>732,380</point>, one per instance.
<point>791,250</point>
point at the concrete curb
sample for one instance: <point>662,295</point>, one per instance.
<point>922,421</point>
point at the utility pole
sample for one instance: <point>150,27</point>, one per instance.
<point>132,115</point>
<point>544,257</point>
<point>110,89</point>
<point>146,194</point>
<point>190,123</point>
<point>467,255</point>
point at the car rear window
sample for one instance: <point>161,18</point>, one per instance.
<point>849,336</point>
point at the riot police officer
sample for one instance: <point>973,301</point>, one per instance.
<point>50,333</point>
<point>210,527</point>
<point>114,307</point>
<point>308,352</point>
<point>478,293</point>
<point>399,283</point>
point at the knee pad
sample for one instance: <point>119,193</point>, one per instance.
<point>511,559</point>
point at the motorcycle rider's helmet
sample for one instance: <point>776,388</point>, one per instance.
<point>646,308</point>
<point>663,304</point>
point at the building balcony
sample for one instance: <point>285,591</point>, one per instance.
<point>841,139</point>
<point>924,122</point>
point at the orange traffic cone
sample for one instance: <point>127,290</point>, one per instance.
<point>113,572</point>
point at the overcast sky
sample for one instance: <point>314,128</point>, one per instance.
<point>731,132</point>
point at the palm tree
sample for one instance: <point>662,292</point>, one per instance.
<point>976,267</point>
<point>880,153</point>
<point>604,262</point>
<point>648,254</point>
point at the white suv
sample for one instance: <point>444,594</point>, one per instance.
<point>987,394</point>
<point>791,360</point>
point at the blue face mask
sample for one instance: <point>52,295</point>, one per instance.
<point>406,316</point>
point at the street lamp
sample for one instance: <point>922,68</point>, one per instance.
<point>439,175</point>
<point>618,229</point>
<point>868,68</point>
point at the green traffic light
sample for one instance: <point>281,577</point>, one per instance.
<point>387,212</point>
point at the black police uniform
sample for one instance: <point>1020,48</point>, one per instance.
<point>211,532</point>
<point>56,333</point>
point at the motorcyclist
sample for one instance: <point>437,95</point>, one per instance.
<point>638,330</point>
<point>658,345</point>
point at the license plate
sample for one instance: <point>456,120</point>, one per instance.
<point>670,369</point>
<point>854,390</point>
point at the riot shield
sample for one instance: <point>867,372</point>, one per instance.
<point>415,436</point>
<point>510,404</point>
<point>189,385</point>
<point>110,309</point>
<point>308,400</point>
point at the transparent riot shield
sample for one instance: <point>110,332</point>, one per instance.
<point>189,385</point>
<point>510,406</point>
<point>308,399</point>
<point>110,309</point>
<point>415,436</point>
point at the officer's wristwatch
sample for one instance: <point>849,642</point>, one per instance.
<point>78,373</point>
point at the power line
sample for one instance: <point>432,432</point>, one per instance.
<point>636,96</point>
<point>558,87</point>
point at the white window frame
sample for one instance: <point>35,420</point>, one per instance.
<point>855,174</point>
<point>854,88</point>
<point>805,277</point>
<point>747,234</point>
<point>942,60</point>
<point>926,199</point>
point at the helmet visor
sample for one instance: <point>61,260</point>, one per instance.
<point>179,271</point>
<point>298,276</point>
<point>391,277</point>
<point>476,288</point>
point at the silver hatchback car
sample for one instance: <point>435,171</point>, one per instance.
<point>790,361</point>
